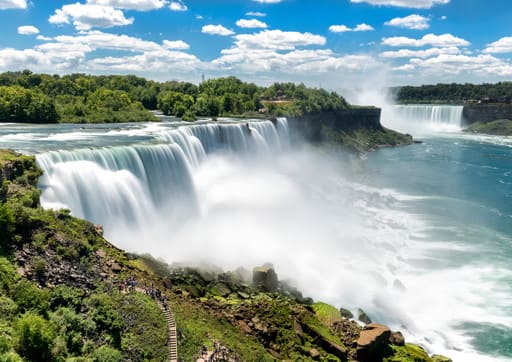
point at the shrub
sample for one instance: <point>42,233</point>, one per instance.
<point>35,335</point>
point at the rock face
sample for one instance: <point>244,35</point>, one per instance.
<point>397,338</point>
<point>265,278</point>
<point>372,342</point>
<point>486,113</point>
<point>345,313</point>
<point>363,317</point>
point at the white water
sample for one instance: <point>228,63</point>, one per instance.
<point>230,196</point>
<point>422,119</point>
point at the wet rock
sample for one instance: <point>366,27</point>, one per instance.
<point>220,289</point>
<point>345,313</point>
<point>265,278</point>
<point>397,338</point>
<point>363,317</point>
<point>115,267</point>
<point>372,342</point>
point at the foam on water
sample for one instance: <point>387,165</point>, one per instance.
<point>236,194</point>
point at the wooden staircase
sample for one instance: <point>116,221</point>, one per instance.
<point>172,343</point>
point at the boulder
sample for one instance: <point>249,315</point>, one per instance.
<point>265,277</point>
<point>397,338</point>
<point>314,353</point>
<point>372,342</point>
<point>345,313</point>
<point>363,317</point>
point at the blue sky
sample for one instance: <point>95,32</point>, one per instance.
<point>333,43</point>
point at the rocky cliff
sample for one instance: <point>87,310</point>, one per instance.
<point>357,129</point>
<point>485,113</point>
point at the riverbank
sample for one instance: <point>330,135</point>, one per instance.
<point>57,270</point>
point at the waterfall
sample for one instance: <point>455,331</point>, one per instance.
<point>421,119</point>
<point>122,186</point>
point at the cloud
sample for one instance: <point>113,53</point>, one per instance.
<point>216,30</point>
<point>178,6</point>
<point>454,64</point>
<point>503,45</point>
<point>13,4</point>
<point>407,53</point>
<point>28,30</point>
<point>277,39</point>
<point>344,28</point>
<point>256,13</point>
<point>141,5</point>
<point>87,16</point>
<point>414,21</point>
<point>252,23</point>
<point>68,53</point>
<point>416,4</point>
<point>443,40</point>
<point>268,1</point>
<point>175,44</point>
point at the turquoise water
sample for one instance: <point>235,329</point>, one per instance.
<point>419,236</point>
<point>463,186</point>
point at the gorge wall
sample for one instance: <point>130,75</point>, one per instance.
<point>486,113</point>
<point>316,126</point>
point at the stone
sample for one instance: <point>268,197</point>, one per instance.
<point>397,338</point>
<point>298,329</point>
<point>265,278</point>
<point>345,313</point>
<point>314,353</point>
<point>101,253</point>
<point>99,229</point>
<point>243,325</point>
<point>115,267</point>
<point>363,317</point>
<point>372,342</point>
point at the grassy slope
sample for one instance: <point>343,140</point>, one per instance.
<point>502,127</point>
<point>58,287</point>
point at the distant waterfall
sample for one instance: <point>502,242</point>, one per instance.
<point>423,118</point>
<point>125,184</point>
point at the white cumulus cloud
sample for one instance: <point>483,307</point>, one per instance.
<point>87,16</point>
<point>503,45</point>
<point>216,30</point>
<point>251,23</point>
<point>277,39</point>
<point>141,5</point>
<point>175,44</point>
<point>178,6</point>
<point>344,28</point>
<point>443,40</point>
<point>13,4</point>
<point>28,30</point>
<point>414,21</point>
<point>408,53</point>
<point>416,4</point>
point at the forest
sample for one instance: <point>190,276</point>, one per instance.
<point>80,98</point>
<point>454,93</point>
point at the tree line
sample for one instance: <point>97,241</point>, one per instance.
<point>76,98</point>
<point>454,93</point>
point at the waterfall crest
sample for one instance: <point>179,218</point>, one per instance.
<point>122,185</point>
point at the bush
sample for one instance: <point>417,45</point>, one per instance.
<point>106,354</point>
<point>35,335</point>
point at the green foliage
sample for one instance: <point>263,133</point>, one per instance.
<point>326,313</point>
<point>499,128</point>
<point>18,104</point>
<point>35,335</point>
<point>106,354</point>
<point>408,353</point>
<point>452,93</point>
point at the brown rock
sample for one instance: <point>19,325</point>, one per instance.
<point>243,325</point>
<point>372,342</point>
<point>298,329</point>
<point>101,253</point>
<point>314,353</point>
<point>397,338</point>
<point>116,268</point>
<point>265,277</point>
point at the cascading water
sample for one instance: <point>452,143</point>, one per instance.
<point>355,234</point>
<point>423,119</point>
